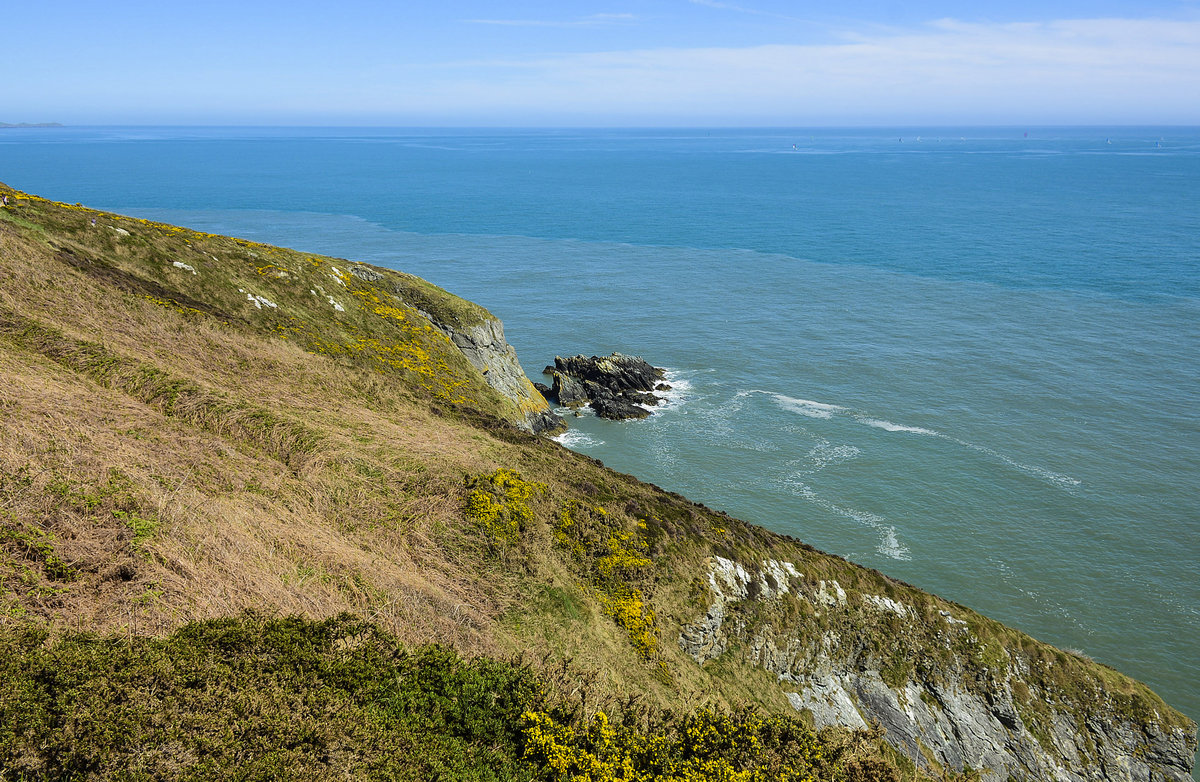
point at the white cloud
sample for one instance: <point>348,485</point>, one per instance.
<point>1097,70</point>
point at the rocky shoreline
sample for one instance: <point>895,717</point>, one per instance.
<point>616,387</point>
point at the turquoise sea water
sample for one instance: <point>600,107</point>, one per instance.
<point>969,358</point>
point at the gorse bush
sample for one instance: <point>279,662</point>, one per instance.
<point>258,698</point>
<point>701,747</point>
<point>498,504</point>
<point>613,561</point>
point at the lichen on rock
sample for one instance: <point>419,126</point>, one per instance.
<point>973,702</point>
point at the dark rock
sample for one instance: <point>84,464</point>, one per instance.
<point>662,387</point>
<point>545,422</point>
<point>618,372</point>
<point>568,391</point>
<point>595,390</point>
<point>544,390</point>
<point>642,398</point>
<point>617,409</point>
<point>616,386</point>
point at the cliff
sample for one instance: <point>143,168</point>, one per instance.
<point>952,689</point>
<point>195,426</point>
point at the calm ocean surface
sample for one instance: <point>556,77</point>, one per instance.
<point>969,358</point>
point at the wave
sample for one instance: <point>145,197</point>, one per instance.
<point>575,439</point>
<point>804,406</point>
<point>891,427</point>
<point>681,390</point>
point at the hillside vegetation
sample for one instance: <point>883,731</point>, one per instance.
<point>259,516</point>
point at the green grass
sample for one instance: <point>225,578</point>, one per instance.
<point>253,697</point>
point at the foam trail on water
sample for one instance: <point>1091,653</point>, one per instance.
<point>1043,604</point>
<point>825,453</point>
<point>823,410</point>
<point>806,407</point>
<point>1065,482</point>
<point>888,426</point>
<point>889,544</point>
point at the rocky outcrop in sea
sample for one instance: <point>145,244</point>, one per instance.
<point>616,387</point>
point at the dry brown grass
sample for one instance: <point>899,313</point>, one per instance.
<point>348,527</point>
<point>185,466</point>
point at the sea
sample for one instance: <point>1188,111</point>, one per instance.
<point>966,357</point>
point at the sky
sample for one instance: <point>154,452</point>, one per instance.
<point>538,63</point>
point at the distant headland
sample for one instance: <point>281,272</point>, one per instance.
<point>31,125</point>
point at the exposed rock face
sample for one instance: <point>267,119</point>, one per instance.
<point>364,273</point>
<point>616,387</point>
<point>1011,717</point>
<point>485,347</point>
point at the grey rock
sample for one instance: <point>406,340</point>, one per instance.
<point>483,345</point>
<point>954,717</point>
<point>616,387</point>
<point>364,273</point>
<point>830,703</point>
<point>704,640</point>
<point>568,391</point>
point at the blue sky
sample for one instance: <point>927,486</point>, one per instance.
<point>624,62</point>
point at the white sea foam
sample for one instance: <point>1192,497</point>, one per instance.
<point>1065,482</point>
<point>681,389</point>
<point>806,406</point>
<point>889,544</point>
<point>888,426</point>
<point>574,439</point>
<point>825,453</point>
<point>822,410</point>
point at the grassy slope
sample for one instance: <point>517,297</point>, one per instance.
<point>171,452</point>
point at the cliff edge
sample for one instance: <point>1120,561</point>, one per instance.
<point>202,435</point>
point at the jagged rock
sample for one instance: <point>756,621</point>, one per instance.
<point>616,387</point>
<point>484,346</point>
<point>642,398</point>
<point>363,273</point>
<point>955,716</point>
<point>568,391</point>
<point>594,390</point>
<point>617,409</point>
<point>545,391</point>
<point>617,372</point>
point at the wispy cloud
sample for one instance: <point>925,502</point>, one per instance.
<point>1097,70</point>
<point>741,9</point>
<point>594,20</point>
